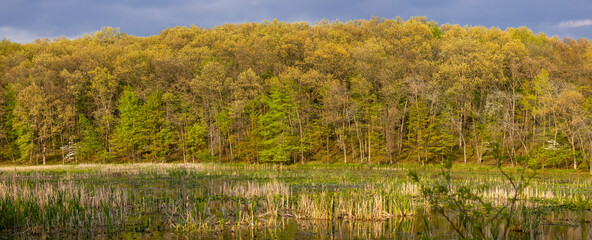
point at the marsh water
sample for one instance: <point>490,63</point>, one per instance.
<point>562,225</point>
<point>266,202</point>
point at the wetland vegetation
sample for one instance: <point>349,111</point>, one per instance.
<point>274,201</point>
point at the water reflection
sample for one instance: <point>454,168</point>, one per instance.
<point>559,225</point>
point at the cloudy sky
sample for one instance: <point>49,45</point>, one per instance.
<point>26,20</point>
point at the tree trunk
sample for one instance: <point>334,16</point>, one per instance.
<point>419,156</point>
<point>591,158</point>
<point>183,147</point>
<point>461,138</point>
<point>211,139</point>
<point>513,119</point>
<point>231,149</point>
<point>44,153</point>
<point>361,154</point>
<point>328,155</point>
<point>134,154</point>
<point>573,152</point>
<point>402,129</point>
<point>477,144</point>
<point>370,142</point>
<point>301,133</point>
<point>343,146</point>
<point>351,143</point>
<point>107,138</point>
<point>464,148</point>
<point>62,144</point>
<point>220,147</point>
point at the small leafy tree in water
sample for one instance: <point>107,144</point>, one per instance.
<point>470,214</point>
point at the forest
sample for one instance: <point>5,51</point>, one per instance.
<point>363,91</point>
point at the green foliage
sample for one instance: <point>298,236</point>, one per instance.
<point>156,132</point>
<point>427,139</point>
<point>10,148</point>
<point>553,155</point>
<point>24,142</point>
<point>196,140</point>
<point>106,35</point>
<point>436,32</point>
<point>30,120</point>
<point>90,145</point>
<point>128,135</point>
<point>8,47</point>
<point>278,141</point>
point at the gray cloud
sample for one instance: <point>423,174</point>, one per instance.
<point>575,23</point>
<point>25,20</point>
<point>17,35</point>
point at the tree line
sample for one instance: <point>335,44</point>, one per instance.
<point>362,91</point>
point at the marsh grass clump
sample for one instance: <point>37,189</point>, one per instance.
<point>61,206</point>
<point>359,204</point>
